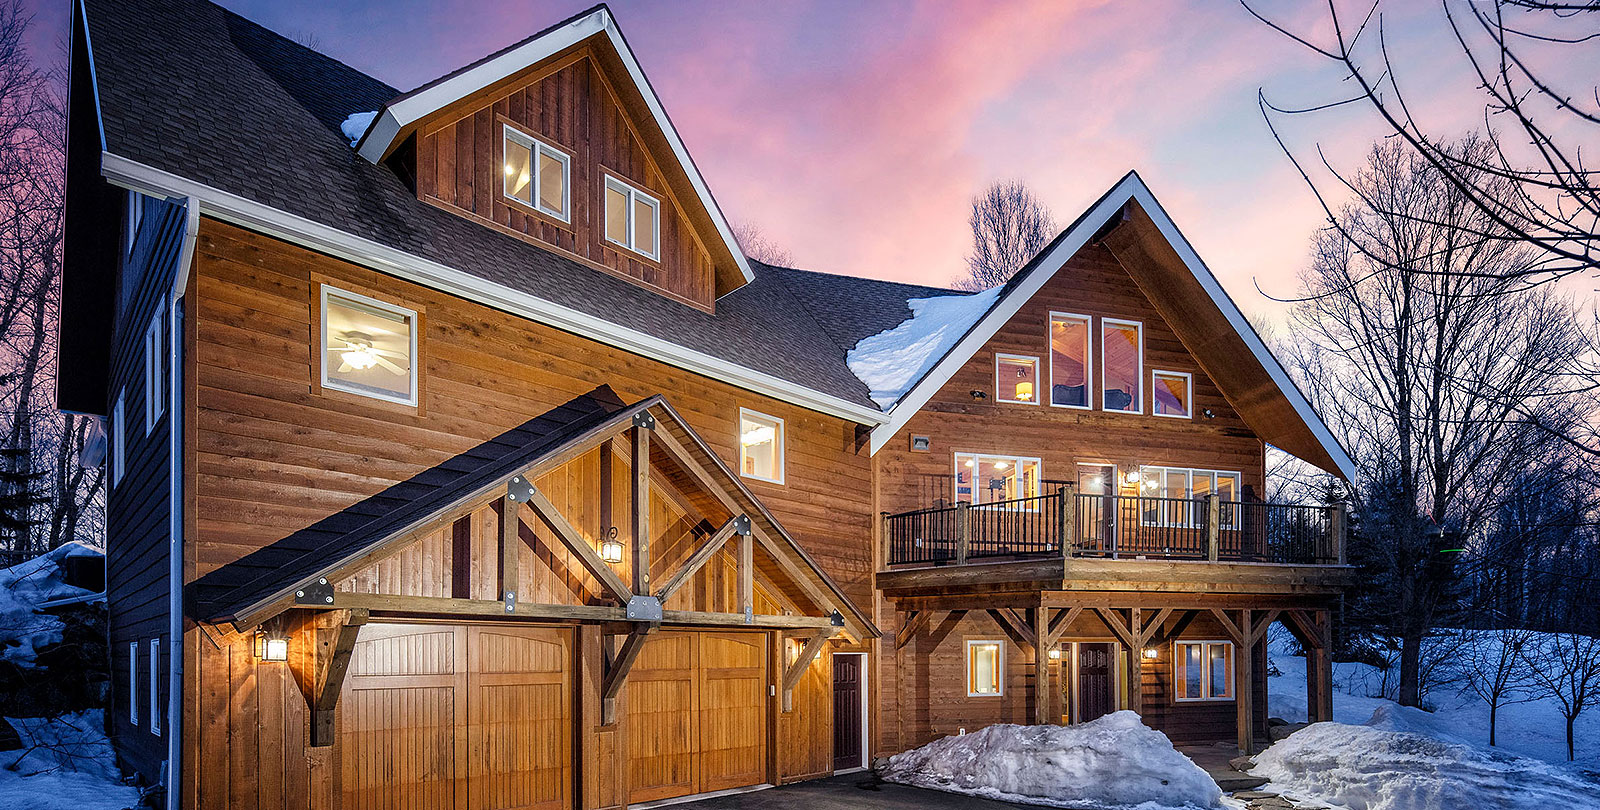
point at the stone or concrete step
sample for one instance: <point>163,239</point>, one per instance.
<point>1233,781</point>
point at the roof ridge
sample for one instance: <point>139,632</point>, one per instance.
<point>301,46</point>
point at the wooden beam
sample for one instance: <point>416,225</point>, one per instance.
<point>1234,633</point>
<point>587,556</point>
<point>1019,636</point>
<point>914,622</point>
<point>445,607</point>
<point>1244,685</point>
<point>617,671</point>
<point>1059,625</point>
<point>1114,621</point>
<point>1136,662</point>
<point>1041,665</point>
<point>1154,627</point>
<point>641,509</point>
<point>510,539</point>
<point>747,575</point>
<point>1261,625</point>
<point>331,669</point>
<point>797,670</point>
<point>701,556</point>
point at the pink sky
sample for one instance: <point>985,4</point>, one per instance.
<point>855,134</point>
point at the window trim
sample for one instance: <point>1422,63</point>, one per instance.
<point>1088,358</point>
<point>1205,682</point>
<point>133,682</point>
<point>955,478</point>
<point>534,144</point>
<point>1138,373</point>
<point>1001,357</point>
<point>155,401</point>
<point>1188,400</point>
<point>119,437</point>
<point>633,192</point>
<point>155,693</point>
<point>999,667</point>
<point>135,218</point>
<point>1231,516</point>
<point>781,446</point>
<point>395,309</point>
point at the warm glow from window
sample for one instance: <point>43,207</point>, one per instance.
<point>760,446</point>
<point>1069,360</point>
<point>1185,490</point>
<point>1016,378</point>
<point>1170,394</point>
<point>984,668</point>
<point>1203,670</point>
<point>1121,365</point>
<point>368,346</point>
<point>550,176</point>
<point>987,479</point>
<point>633,218</point>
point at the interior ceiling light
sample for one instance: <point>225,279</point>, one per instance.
<point>760,434</point>
<point>359,354</point>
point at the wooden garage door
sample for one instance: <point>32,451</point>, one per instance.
<point>465,718</point>
<point>696,715</point>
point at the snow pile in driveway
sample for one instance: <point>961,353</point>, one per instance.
<point>23,588</point>
<point>891,361</point>
<point>65,764</point>
<point>1113,762</point>
<point>1394,763</point>
<point>356,125</point>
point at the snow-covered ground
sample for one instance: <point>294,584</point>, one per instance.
<point>1112,763</point>
<point>23,588</point>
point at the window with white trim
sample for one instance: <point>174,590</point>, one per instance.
<point>1202,670</point>
<point>134,217</point>
<point>537,174</point>
<point>133,682</point>
<point>633,218</point>
<point>155,365</point>
<point>1121,365</point>
<point>119,439</point>
<point>368,347</point>
<point>155,693</point>
<point>984,478</point>
<point>760,446</point>
<point>1016,379</point>
<point>1071,366</point>
<point>1172,394</point>
<point>985,668</point>
<point>1180,483</point>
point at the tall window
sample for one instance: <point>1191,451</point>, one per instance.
<point>633,218</point>
<point>1121,365</point>
<point>1178,483</point>
<point>133,682</point>
<point>1070,366</point>
<point>985,667</point>
<point>1171,394</point>
<point>984,478</point>
<point>538,174</point>
<point>119,439</point>
<point>1016,379</point>
<point>155,693</point>
<point>1204,670</point>
<point>760,446</point>
<point>368,347</point>
<point>155,367</point>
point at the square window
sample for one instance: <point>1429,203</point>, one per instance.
<point>1204,670</point>
<point>537,174</point>
<point>1016,379</point>
<point>760,446</point>
<point>368,347</point>
<point>1070,364</point>
<point>1121,365</point>
<point>985,665</point>
<point>633,218</point>
<point>1170,393</point>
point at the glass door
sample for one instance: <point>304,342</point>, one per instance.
<point>1097,516</point>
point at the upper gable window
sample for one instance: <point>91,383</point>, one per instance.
<point>760,446</point>
<point>1171,394</point>
<point>538,174</point>
<point>1121,365</point>
<point>1069,360</point>
<point>1016,379</point>
<point>368,347</point>
<point>633,218</point>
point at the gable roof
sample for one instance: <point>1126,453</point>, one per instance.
<point>1129,221</point>
<point>851,308</point>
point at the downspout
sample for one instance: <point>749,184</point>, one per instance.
<point>175,511</point>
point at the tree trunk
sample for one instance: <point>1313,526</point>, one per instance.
<point>1411,667</point>
<point>1494,711</point>
<point>1570,719</point>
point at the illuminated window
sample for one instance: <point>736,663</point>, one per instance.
<point>1204,670</point>
<point>760,446</point>
<point>537,174</point>
<point>1016,379</point>
<point>1070,366</point>
<point>368,347</point>
<point>633,218</point>
<point>1121,365</point>
<point>984,478</point>
<point>1170,393</point>
<point>985,663</point>
<point>1179,483</point>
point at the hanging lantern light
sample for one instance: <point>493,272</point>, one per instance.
<point>611,547</point>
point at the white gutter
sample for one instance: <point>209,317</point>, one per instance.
<point>175,431</point>
<point>299,230</point>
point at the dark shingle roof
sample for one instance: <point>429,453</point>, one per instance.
<point>192,89</point>
<point>850,308</point>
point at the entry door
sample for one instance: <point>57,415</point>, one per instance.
<point>1096,680</point>
<point>846,711</point>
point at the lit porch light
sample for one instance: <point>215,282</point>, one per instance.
<point>611,547</point>
<point>1150,653</point>
<point>271,647</point>
<point>1055,655</point>
<point>1133,477</point>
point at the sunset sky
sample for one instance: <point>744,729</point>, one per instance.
<point>854,134</point>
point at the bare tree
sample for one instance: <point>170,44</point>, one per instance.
<point>756,244</point>
<point>1498,672</point>
<point>1566,668</point>
<point>1010,225</point>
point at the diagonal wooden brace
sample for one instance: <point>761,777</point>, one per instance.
<point>332,665</point>
<point>797,670</point>
<point>738,524</point>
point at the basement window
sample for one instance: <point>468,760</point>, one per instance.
<point>1016,379</point>
<point>633,218</point>
<point>1121,365</point>
<point>985,663</point>
<point>1204,670</point>
<point>1171,394</point>
<point>760,446</point>
<point>538,174</point>
<point>368,347</point>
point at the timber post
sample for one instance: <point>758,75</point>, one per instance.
<point>1066,523</point>
<point>963,532</point>
<point>1244,685</point>
<point>1213,526</point>
<point>1339,529</point>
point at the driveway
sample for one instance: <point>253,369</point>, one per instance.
<point>854,791</point>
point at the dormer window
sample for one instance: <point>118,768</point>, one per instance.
<point>633,218</point>
<point>538,174</point>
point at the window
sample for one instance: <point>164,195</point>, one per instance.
<point>760,446</point>
<point>1181,483</point>
<point>368,346</point>
<point>1170,394</point>
<point>1204,670</point>
<point>155,693</point>
<point>1121,365</point>
<point>1016,379</point>
<point>633,218</point>
<point>986,479</point>
<point>134,218</point>
<point>155,366</point>
<point>985,662</point>
<point>1070,366</point>
<point>133,682</point>
<point>119,439</point>
<point>538,174</point>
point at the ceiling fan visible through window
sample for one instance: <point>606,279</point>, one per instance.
<point>359,354</point>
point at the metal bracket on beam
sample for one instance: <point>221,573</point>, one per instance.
<point>519,489</point>
<point>836,618</point>
<point>749,615</point>
<point>644,608</point>
<point>315,593</point>
<point>644,419</point>
<point>741,525</point>
<point>511,601</point>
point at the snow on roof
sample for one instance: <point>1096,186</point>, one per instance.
<point>26,586</point>
<point>893,360</point>
<point>356,125</point>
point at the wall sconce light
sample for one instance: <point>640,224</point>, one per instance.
<point>272,646</point>
<point>978,395</point>
<point>1150,653</point>
<point>1208,413</point>
<point>1055,655</point>
<point>1132,477</point>
<point>611,547</point>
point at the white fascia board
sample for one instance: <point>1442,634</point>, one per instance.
<point>265,219</point>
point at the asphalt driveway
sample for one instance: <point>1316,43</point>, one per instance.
<point>854,791</point>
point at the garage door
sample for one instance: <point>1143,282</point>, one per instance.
<point>696,715</point>
<point>437,716</point>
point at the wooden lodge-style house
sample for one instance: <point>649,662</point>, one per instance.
<point>460,458</point>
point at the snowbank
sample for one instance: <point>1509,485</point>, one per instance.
<point>1113,762</point>
<point>23,588</point>
<point>356,125</point>
<point>1393,762</point>
<point>65,764</point>
<point>891,361</point>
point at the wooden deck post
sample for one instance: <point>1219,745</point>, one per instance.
<point>1244,685</point>
<point>963,532</point>
<point>1213,526</point>
<point>1066,527</point>
<point>1340,530</point>
<point>1135,663</point>
<point>1041,664</point>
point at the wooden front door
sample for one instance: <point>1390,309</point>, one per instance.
<point>1097,694</point>
<point>846,711</point>
<point>696,714</point>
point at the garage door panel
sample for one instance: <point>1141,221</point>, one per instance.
<point>520,718</point>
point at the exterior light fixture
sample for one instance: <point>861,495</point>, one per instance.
<point>1132,477</point>
<point>272,646</point>
<point>1055,655</point>
<point>611,547</point>
<point>1150,653</point>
